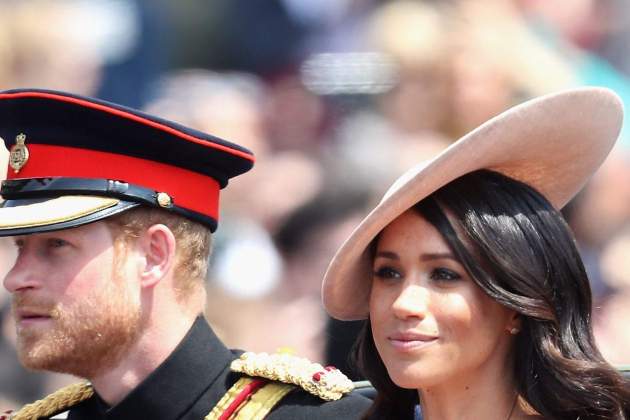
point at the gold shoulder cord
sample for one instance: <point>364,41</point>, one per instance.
<point>256,406</point>
<point>286,373</point>
<point>57,402</point>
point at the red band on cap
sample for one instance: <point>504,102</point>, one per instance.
<point>188,189</point>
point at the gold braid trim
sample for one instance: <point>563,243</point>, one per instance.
<point>256,406</point>
<point>263,401</point>
<point>227,398</point>
<point>57,402</point>
<point>327,383</point>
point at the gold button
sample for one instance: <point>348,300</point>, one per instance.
<point>164,200</point>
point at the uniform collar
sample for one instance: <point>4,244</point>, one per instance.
<point>175,386</point>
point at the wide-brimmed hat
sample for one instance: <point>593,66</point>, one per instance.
<point>553,143</point>
<point>75,160</point>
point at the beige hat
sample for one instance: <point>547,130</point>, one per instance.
<point>553,143</point>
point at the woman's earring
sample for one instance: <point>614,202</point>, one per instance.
<point>514,331</point>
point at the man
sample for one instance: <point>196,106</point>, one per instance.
<point>111,210</point>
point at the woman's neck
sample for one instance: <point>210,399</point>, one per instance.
<point>487,393</point>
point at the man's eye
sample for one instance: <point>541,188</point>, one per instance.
<point>386,273</point>
<point>444,274</point>
<point>57,243</point>
<point>19,244</point>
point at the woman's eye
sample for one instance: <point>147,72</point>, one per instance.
<point>444,274</point>
<point>386,273</point>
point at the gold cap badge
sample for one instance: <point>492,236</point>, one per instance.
<point>19,153</point>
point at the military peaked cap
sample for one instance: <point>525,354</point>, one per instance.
<point>74,160</point>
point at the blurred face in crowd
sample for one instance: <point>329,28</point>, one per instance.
<point>432,324</point>
<point>74,304</point>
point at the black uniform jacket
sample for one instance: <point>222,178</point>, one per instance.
<point>189,383</point>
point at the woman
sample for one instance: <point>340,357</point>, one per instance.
<point>478,303</point>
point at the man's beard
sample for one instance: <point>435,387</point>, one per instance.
<point>84,338</point>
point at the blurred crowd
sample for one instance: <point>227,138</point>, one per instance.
<point>336,98</point>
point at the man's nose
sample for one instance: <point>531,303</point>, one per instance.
<point>22,275</point>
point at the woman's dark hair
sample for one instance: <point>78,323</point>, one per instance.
<point>521,253</point>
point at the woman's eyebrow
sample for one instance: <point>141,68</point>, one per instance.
<point>424,257</point>
<point>387,254</point>
<point>437,256</point>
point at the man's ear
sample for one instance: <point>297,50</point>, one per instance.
<point>158,246</point>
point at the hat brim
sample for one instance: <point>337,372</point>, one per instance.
<point>553,143</point>
<point>25,216</point>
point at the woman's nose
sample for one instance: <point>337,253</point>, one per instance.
<point>411,302</point>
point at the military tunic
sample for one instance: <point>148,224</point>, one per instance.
<point>190,382</point>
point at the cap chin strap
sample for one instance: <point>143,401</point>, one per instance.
<point>28,188</point>
<point>131,194</point>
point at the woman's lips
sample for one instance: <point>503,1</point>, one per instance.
<point>411,341</point>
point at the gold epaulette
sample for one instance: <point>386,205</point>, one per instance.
<point>57,402</point>
<point>327,383</point>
